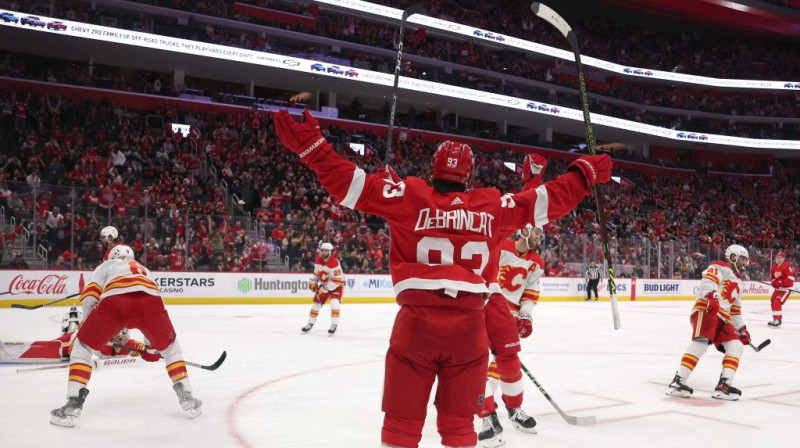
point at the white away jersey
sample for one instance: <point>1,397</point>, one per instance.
<point>328,274</point>
<point>720,277</point>
<point>119,276</point>
<point>519,277</point>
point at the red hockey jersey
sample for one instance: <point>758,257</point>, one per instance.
<point>782,276</point>
<point>448,241</point>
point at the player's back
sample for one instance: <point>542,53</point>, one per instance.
<point>445,241</point>
<point>119,276</point>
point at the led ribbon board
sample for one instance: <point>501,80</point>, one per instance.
<point>183,46</point>
<point>513,42</point>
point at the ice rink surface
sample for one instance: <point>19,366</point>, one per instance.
<point>281,389</point>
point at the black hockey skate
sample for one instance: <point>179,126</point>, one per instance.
<point>774,323</point>
<point>724,391</point>
<point>192,406</point>
<point>332,330</point>
<point>491,433</point>
<point>521,420</point>
<point>68,414</point>
<point>678,388</point>
<point>307,328</point>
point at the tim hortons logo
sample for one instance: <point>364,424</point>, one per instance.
<point>756,288</point>
<point>49,284</point>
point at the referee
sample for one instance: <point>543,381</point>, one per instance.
<point>592,280</point>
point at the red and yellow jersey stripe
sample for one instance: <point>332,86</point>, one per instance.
<point>125,284</point>
<point>530,295</point>
<point>712,277</point>
<point>91,290</point>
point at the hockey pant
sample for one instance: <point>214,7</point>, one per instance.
<point>133,310</point>
<point>430,343</point>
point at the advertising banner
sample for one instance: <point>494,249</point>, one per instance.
<point>32,287</point>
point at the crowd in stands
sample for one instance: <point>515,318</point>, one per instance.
<point>471,55</point>
<point>661,224</point>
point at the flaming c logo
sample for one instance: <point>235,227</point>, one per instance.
<point>507,277</point>
<point>729,288</point>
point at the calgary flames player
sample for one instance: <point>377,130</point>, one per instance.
<point>327,283</point>
<point>508,318</point>
<point>717,319</point>
<point>444,255</point>
<point>109,236</point>
<point>126,297</point>
<point>519,277</point>
<point>782,279</point>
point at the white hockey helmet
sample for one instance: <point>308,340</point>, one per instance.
<point>326,246</point>
<point>109,232</point>
<point>739,251</point>
<point>121,251</point>
<point>122,337</point>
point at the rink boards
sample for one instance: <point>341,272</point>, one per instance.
<point>33,287</point>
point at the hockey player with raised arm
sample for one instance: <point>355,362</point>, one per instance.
<point>782,278</point>
<point>443,262</point>
<point>327,283</point>
<point>126,297</point>
<point>717,319</point>
<point>508,318</point>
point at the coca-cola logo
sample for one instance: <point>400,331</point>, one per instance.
<point>49,284</point>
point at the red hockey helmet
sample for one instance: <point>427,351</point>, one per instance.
<point>780,254</point>
<point>453,162</point>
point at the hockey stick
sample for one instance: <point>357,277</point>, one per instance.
<point>758,347</point>
<point>788,289</point>
<point>26,307</point>
<point>552,17</point>
<point>408,12</point>
<point>571,419</point>
<point>97,364</point>
<point>4,293</point>
<point>213,366</point>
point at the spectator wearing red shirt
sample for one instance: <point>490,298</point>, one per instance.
<point>278,233</point>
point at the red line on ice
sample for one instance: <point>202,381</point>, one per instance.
<point>230,419</point>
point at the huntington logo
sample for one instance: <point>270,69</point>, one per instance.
<point>244,285</point>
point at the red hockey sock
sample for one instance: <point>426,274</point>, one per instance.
<point>488,407</point>
<point>456,430</point>
<point>400,431</point>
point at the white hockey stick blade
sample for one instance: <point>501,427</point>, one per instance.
<point>583,421</point>
<point>547,13</point>
<point>572,419</point>
<point>615,312</point>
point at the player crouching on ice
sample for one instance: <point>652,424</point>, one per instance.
<point>327,283</point>
<point>121,294</point>
<point>717,319</point>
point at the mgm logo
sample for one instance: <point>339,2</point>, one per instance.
<point>244,285</point>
